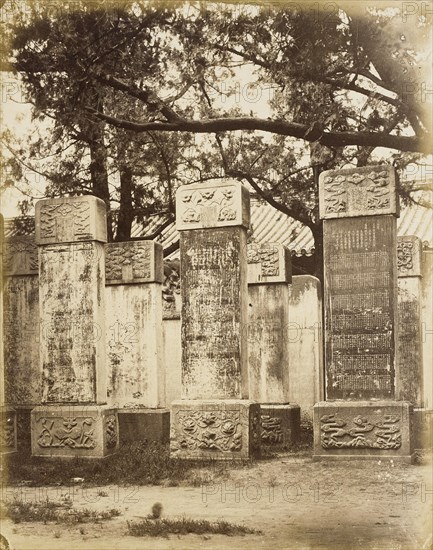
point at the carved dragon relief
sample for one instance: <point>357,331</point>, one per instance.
<point>405,253</point>
<point>197,201</point>
<point>382,434</point>
<point>268,257</point>
<point>75,213</point>
<point>136,255</point>
<point>375,184</point>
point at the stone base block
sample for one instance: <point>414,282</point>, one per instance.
<point>281,425</point>
<point>222,430</point>
<point>23,413</point>
<point>423,429</point>
<point>8,430</point>
<point>363,429</point>
<point>71,431</point>
<point>144,424</point>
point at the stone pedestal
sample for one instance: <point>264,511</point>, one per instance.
<point>144,425</point>
<point>280,425</point>
<point>269,275</point>
<point>359,207</point>
<point>363,429</point>
<point>74,431</point>
<point>214,418</point>
<point>70,233</point>
<point>225,430</point>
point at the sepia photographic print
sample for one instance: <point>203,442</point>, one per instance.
<point>216,261</point>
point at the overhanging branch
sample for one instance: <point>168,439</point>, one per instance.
<point>290,129</point>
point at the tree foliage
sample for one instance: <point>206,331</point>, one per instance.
<point>140,98</point>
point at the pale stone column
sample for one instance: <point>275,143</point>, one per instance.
<point>8,422</point>
<point>74,420</point>
<point>214,418</point>
<point>21,332</point>
<point>305,344</point>
<point>409,250</point>
<point>136,376</point>
<point>269,275</point>
<point>361,417</point>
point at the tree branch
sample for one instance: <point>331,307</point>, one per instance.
<point>290,129</point>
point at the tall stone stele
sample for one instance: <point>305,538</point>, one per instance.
<point>136,376</point>
<point>269,277</point>
<point>362,417</point>
<point>8,421</point>
<point>74,420</point>
<point>214,418</point>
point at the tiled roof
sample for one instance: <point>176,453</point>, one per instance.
<point>268,225</point>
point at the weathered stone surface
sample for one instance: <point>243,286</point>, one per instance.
<point>409,254</point>
<point>366,191</point>
<point>21,256</point>
<point>71,293</point>
<point>409,341</point>
<point>8,430</point>
<point>133,262</point>
<point>2,366</point>
<point>23,376</point>
<point>268,343</point>
<point>305,344</point>
<point>360,307</point>
<point>172,353</point>
<point>144,425</point>
<point>72,219</point>
<point>74,431</point>
<point>214,313</point>
<point>228,429</point>
<point>133,316</point>
<point>217,203</point>
<point>366,429</point>
<point>268,263</point>
<point>280,426</point>
<point>427,326</point>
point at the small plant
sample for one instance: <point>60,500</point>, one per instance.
<point>156,510</point>
<point>57,534</point>
<point>184,526</point>
<point>102,493</point>
<point>19,511</point>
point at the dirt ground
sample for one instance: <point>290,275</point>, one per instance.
<point>295,502</point>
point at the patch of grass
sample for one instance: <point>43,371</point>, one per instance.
<point>138,463</point>
<point>60,512</point>
<point>184,526</point>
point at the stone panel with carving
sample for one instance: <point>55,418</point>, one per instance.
<point>70,220</point>
<point>133,262</point>
<point>363,429</point>
<point>358,192</point>
<point>268,263</point>
<point>409,254</point>
<point>212,204</point>
<point>222,430</point>
<point>361,432</point>
<point>21,256</point>
<point>90,431</point>
<point>280,425</point>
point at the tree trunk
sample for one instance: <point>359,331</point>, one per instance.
<point>126,214</point>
